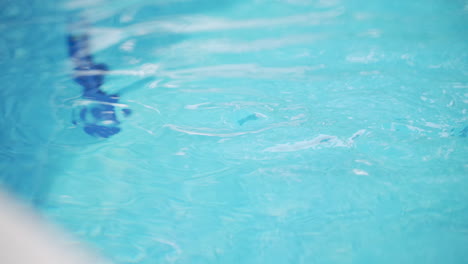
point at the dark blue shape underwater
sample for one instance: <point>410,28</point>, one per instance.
<point>99,116</point>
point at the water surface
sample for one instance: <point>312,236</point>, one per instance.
<point>329,131</point>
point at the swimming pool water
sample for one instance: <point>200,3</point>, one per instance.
<point>263,131</point>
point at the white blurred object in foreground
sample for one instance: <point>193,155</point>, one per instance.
<point>25,238</point>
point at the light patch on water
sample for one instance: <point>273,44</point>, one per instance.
<point>369,73</point>
<point>177,250</point>
<point>327,3</point>
<point>238,71</point>
<point>91,102</point>
<point>145,105</point>
<point>193,24</point>
<point>357,134</point>
<point>370,57</point>
<point>128,16</point>
<point>105,37</point>
<point>213,132</point>
<point>368,163</point>
<point>128,45</point>
<point>72,4</point>
<point>210,90</point>
<point>444,134</point>
<point>299,116</point>
<point>414,128</point>
<point>235,105</point>
<point>434,125</point>
<point>111,72</point>
<point>154,84</point>
<point>373,33</point>
<point>458,85</point>
<point>362,16</point>
<point>170,85</point>
<point>150,132</point>
<point>408,58</point>
<point>145,70</point>
<point>303,55</point>
<point>425,99</point>
<point>320,3</point>
<point>260,115</point>
<point>107,122</point>
<point>181,152</point>
<point>319,141</point>
<point>195,106</point>
<point>360,172</point>
<point>444,152</point>
<point>210,46</point>
<point>133,60</point>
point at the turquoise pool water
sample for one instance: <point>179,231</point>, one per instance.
<point>263,131</point>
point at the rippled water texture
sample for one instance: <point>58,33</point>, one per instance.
<point>262,131</point>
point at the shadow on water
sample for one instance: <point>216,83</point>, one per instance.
<point>38,139</point>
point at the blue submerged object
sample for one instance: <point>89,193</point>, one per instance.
<point>98,112</point>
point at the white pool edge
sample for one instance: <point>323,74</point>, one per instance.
<point>25,238</point>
